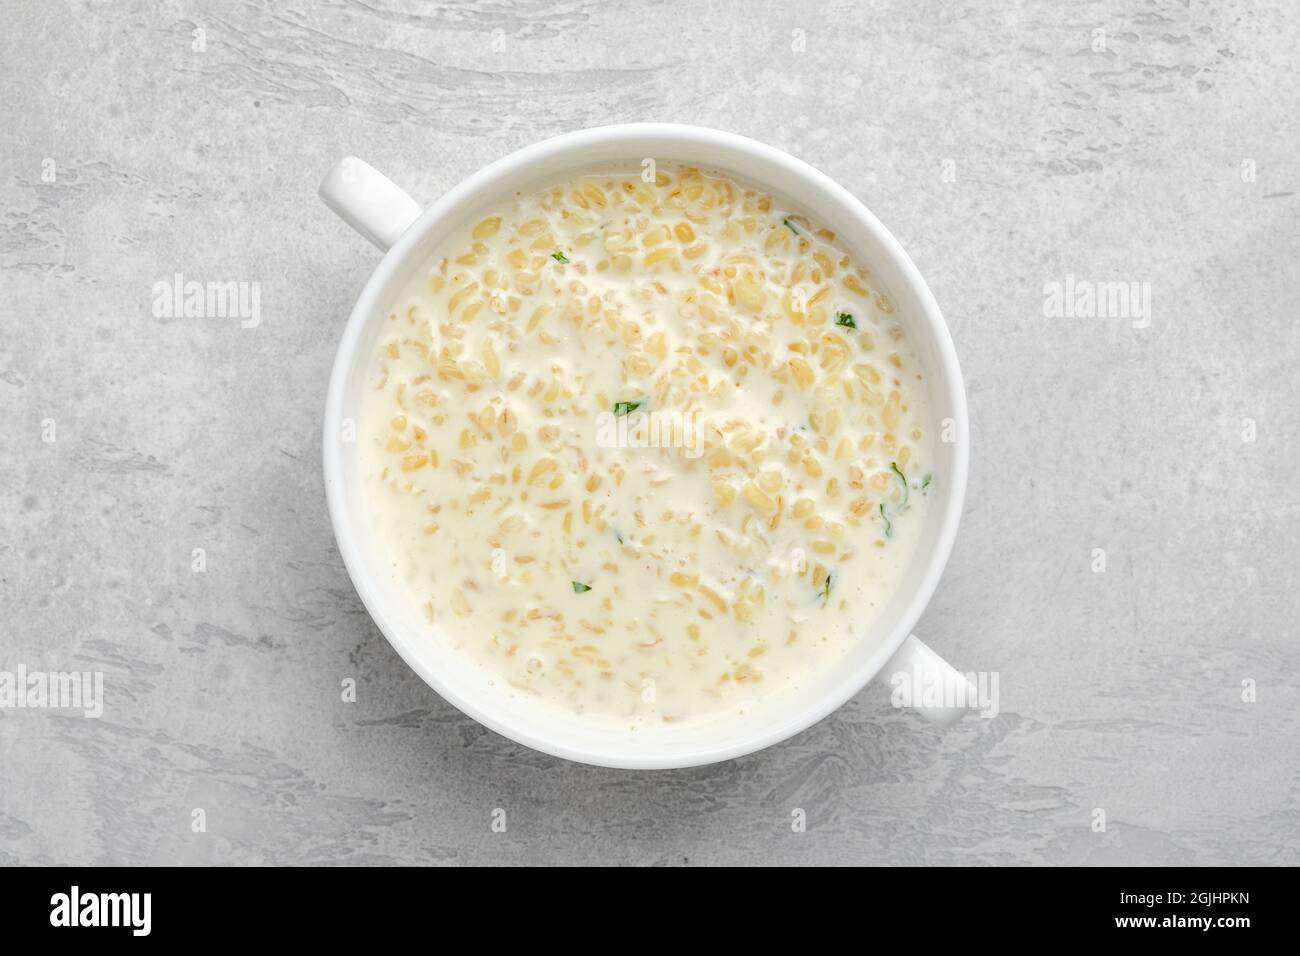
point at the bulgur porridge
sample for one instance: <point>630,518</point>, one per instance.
<point>646,445</point>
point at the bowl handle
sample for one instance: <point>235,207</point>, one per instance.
<point>924,681</point>
<point>368,201</point>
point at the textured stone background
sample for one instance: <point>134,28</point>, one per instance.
<point>1119,690</point>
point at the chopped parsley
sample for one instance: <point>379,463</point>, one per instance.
<point>826,588</point>
<point>846,320</point>
<point>579,587</point>
<point>887,516</point>
<point>560,257</point>
<point>893,466</point>
<point>623,408</point>
<point>789,225</point>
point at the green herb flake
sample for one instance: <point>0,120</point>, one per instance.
<point>580,588</point>
<point>893,466</point>
<point>623,408</point>
<point>925,482</point>
<point>846,320</point>
<point>887,516</point>
<point>560,257</point>
<point>826,588</point>
<point>789,225</point>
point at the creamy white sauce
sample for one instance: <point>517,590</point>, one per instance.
<point>646,583</point>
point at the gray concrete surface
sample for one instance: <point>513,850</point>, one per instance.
<point>1007,145</point>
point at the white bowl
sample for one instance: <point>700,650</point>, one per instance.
<point>394,222</point>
